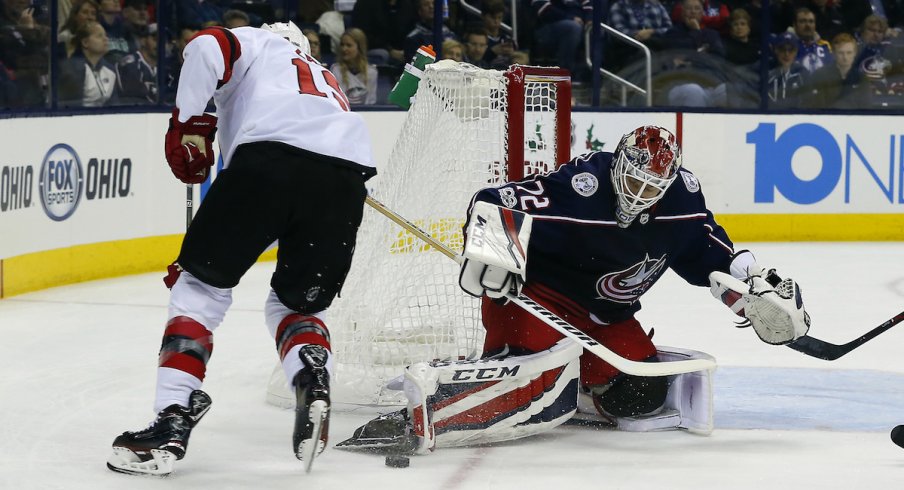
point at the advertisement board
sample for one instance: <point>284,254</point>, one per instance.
<point>86,197</point>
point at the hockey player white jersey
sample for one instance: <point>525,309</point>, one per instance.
<point>266,89</point>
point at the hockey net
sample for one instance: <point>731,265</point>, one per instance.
<point>467,129</point>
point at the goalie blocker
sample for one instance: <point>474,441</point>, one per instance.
<point>464,403</point>
<point>495,255</point>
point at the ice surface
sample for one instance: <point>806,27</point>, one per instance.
<point>78,366</point>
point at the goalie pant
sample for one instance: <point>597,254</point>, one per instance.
<point>463,403</point>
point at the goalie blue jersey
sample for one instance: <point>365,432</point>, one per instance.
<point>577,249</point>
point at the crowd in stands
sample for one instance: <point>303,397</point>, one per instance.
<point>781,54</point>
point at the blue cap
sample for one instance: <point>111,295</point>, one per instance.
<point>783,39</point>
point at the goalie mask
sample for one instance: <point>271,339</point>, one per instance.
<point>645,164</point>
<point>291,33</point>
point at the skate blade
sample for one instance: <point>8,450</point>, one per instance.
<point>124,460</point>
<point>310,448</point>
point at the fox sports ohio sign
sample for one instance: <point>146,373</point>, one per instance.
<point>60,181</point>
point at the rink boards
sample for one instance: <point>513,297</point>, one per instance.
<point>87,197</point>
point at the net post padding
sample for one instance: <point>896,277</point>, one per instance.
<point>401,303</point>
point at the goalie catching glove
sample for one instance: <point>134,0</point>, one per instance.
<point>772,305</point>
<point>495,255</point>
<point>189,146</point>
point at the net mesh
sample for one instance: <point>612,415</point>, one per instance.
<point>401,302</point>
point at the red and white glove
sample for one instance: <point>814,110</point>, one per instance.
<point>189,146</point>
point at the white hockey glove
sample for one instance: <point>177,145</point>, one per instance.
<point>773,306</point>
<point>495,251</point>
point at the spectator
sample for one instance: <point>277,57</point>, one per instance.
<point>81,13</point>
<point>198,13</point>
<point>357,78</point>
<point>476,49</point>
<point>25,49</point>
<point>87,79</point>
<point>813,51</point>
<point>110,17</point>
<point>137,72</point>
<point>885,87</point>
<point>644,20</point>
<point>829,22</point>
<point>314,41</point>
<point>740,49</point>
<point>235,18</point>
<point>641,19</point>
<point>422,34</point>
<point>781,16</point>
<point>873,42</point>
<point>501,47</point>
<point>715,15</point>
<point>311,10</point>
<point>854,12</point>
<point>9,96</point>
<point>839,85</point>
<point>453,50</point>
<point>387,24</point>
<point>174,62</point>
<point>787,82</point>
<point>135,15</point>
<point>691,35</point>
<point>64,7</point>
<point>560,27</point>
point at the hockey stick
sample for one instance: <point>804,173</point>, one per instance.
<point>618,362</point>
<point>827,351</point>
<point>189,204</point>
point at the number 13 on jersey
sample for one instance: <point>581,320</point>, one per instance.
<point>308,68</point>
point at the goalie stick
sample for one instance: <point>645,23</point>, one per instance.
<point>624,365</point>
<point>821,349</point>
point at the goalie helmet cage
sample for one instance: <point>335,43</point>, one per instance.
<point>467,129</point>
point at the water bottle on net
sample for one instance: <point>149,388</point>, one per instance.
<point>404,90</point>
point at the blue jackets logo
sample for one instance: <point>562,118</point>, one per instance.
<point>61,180</point>
<point>773,165</point>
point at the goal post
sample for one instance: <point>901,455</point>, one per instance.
<point>467,129</point>
<point>541,90</point>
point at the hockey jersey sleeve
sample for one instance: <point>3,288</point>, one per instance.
<point>209,59</point>
<point>708,249</point>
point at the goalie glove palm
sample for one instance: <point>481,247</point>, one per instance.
<point>774,307</point>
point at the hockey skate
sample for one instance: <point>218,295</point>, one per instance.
<point>312,405</point>
<point>154,450</point>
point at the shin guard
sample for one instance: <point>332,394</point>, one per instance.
<point>184,352</point>
<point>295,331</point>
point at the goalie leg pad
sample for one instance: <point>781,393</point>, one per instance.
<point>462,403</point>
<point>688,404</point>
<point>630,396</point>
<point>490,400</point>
